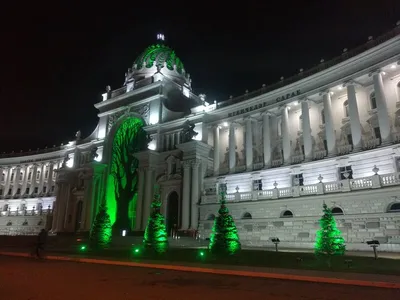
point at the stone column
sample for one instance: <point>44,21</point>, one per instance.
<point>249,144</point>
<point>354,116</point>
<point>329,124</point>
<point>33,179</point>
<point>24,180</point>
<point>232,148</point>
<point>186,196</point>
<point>1,180</point>
<point>307,139</point>
<point>216,151</point>
<point>16,179</point>
<point>8,180</point>
<point>41,178</point>
<point>382,110</point>
<point>139,203</point>
<point>50,177</point>
<point>148,195</point>
<point>287,151</point>
<point>194,214</point>
<point>266,140</point>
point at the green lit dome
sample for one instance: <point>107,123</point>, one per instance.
<point>159,55</point>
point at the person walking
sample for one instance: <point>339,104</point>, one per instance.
<point>41,243</point>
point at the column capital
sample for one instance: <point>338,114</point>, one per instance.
<point>350,82</point>
<point>325,92</point>
<point>375,72</point>
<point>266,113</point>
<point>187,164</point>
<point>195,163</point>
<point>250,118</point>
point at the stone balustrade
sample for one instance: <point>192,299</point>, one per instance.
<point>347,185</point>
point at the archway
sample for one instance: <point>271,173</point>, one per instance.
<point>78,215</point>
<point>127,138</point>
<point>172,212</point>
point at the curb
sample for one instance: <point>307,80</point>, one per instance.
<point>376,284</point>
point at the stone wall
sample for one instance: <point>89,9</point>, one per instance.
<point>365,217</point>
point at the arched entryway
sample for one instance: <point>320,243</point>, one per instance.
<point>172,212</point>
<point>78,216</point>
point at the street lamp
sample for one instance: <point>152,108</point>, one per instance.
<point>276,241</point>
<point>374,244</point>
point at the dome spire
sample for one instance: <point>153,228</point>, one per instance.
<point>160,37</point>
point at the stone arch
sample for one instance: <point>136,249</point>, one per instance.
<point>210,217</point>
<point>173,211</point>
<point>125,138</point>
<point>287,214</point>
<point>336,210</point>
<point>393,207</point>
<point>247,216</point>
<point>108,142</point>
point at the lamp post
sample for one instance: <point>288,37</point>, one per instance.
<point>374,244</point>
<point>276,241</point>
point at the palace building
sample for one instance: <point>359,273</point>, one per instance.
<point>329,134</point>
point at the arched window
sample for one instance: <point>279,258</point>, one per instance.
<point>346,108</point>
<point>394,207</point>
<point>300,122</point>
<point>337,211</point>
<point>287,214</point>
<point>372,100</point>
<point>323,116</point>
<point>247,216</point>
<point>210,217</point>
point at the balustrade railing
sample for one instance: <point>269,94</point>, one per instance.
<point>347,185</point>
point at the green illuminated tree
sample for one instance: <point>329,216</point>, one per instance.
<point>224,237</point>
<point>329,241</point>
<point>101,231</point>
<point>155,235</point>
<point>129,138</point>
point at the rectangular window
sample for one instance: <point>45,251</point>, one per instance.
<point>26,191</point>
<point>44,189</point>
<point>350,139</point>
<point>12,176</point>
<point>30,175</point>
<point>52,188</point>
<point>297,180</point>
<point>257,185</point>
<point>345,173</point>
<point>377,132</point>
<point>36,190</point>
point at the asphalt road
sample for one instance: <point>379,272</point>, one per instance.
<point>27,279</point>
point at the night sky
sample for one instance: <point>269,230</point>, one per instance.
<point>56,61</point>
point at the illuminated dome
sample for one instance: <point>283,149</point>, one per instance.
<point>158,59</point>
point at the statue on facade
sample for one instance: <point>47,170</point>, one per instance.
<point>148,140</point>
<point>93,153</point>
<point>78,135</point>
<point>108,88</point>
<point>64,163</point>
<point>188,132</point>
<point>128,76</point>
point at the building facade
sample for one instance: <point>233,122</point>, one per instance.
<point>330,134</point>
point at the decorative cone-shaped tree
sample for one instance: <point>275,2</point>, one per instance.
<point>224,237</point>
<point>329,241</point>
<point>155,235</point>
<point>101,232</point>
